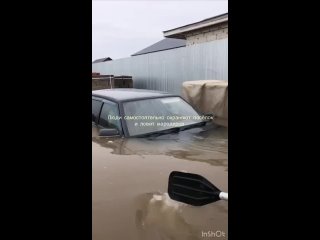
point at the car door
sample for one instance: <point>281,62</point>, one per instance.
<point>96,108</point>
<point>110,116</point>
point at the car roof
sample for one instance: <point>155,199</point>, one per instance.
<point>126,94</point>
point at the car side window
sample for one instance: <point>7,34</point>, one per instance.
<point>96,106</point>
<point>110,117</point>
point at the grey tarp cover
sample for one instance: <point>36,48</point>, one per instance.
<point>208,96</point>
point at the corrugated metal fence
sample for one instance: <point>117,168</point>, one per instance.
<point>167,70</point>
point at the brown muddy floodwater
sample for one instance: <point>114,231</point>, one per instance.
<point>130,180</point>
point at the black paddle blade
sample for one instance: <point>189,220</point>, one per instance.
<point>192,189</point>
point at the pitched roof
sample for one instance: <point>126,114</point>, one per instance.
<point>164,44</point>
<point>180,32</point>
<point>102,60</point>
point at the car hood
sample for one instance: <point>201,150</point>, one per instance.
<point>130,177</point>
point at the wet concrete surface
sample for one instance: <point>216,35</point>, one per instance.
<point>130,178</point>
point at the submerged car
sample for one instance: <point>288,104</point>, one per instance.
<point>138,138</point>
<point>137,112</point>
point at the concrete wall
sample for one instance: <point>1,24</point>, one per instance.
<point>208,34</point>
<point>167,70</point>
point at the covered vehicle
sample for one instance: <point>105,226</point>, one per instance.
<point>208,96</point>
<point>131,166</point>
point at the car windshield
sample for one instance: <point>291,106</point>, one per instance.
<point>158,114</point>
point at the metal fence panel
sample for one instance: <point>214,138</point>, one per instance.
<point>167,70</point>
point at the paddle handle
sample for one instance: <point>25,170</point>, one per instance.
<point>223,196</point>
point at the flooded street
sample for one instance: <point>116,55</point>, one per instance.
<point>130,180</point>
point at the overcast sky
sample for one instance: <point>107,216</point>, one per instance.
<point>121,28</point>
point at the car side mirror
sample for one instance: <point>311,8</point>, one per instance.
<point>108,132</point>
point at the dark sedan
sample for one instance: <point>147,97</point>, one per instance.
<point>137,112</point>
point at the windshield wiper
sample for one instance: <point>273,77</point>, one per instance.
<point>200,124</point>
<point>167,131</point>
<point>173,130</point>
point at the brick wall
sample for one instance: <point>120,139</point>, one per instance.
<point>208,34</point>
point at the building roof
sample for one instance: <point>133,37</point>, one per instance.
<point>180,32</point>
<point>102,60</point>
<point>164,44</point>
<point>125,94</point>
